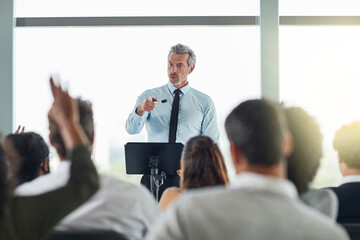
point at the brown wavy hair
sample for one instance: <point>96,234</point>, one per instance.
<point>203,164</point>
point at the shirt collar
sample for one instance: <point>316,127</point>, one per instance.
<point>184,89</point>
<point>261,182</point>
<point>63,167</point>
<point>349,179</point>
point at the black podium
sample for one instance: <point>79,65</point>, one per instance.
<point>152,158</point>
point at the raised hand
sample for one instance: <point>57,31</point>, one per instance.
<point>20,131</point>
<point>65,112</point>
<point>64,109</point>
<point>146,106</point>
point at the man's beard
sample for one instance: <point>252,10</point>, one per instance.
<point>174,81</point>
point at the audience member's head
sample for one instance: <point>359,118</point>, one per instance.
<point>86,121</point>
<point>257,131</point>
<point>27,154</point>
<point>307,148</point>
<point>202,164</point>
<point>347,144</point>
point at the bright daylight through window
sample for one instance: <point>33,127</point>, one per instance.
<point>111,66</point>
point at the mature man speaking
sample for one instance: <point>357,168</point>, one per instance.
<point>175,112</point>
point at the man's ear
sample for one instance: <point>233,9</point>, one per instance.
<point>92,139</point>
<point>340,158</point>
<point>288,145</point>
<point>44,168</point>
<point>191,69</point>
<point>236,156</point>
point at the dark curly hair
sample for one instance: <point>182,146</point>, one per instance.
<point>32,151</point>
<point>203,164</point>
<point>307,138</point>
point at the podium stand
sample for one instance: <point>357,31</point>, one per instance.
<point>152,158</point>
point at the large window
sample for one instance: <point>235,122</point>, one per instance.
<point>319,72</point>
<point>112,66</point>
<point>319,7</point>
<point>93,8</point>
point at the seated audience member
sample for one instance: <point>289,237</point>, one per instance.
<point>347,144</point>
<point>28,156</point>
<point>202,165</point>
<point>33,217</point>
<point>259,203</point>
<point>305,160</point>
<point>119,206</point>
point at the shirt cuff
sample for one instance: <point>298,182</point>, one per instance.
<point>138,119</point>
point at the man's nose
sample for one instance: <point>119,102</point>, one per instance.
<point>173,69</point>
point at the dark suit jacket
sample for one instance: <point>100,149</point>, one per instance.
<point>349,202</point>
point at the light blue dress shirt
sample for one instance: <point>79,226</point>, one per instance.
<point>197,115</point>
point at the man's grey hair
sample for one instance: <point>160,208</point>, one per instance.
<point>183,49</point>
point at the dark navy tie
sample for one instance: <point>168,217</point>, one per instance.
<point>174,116</point>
